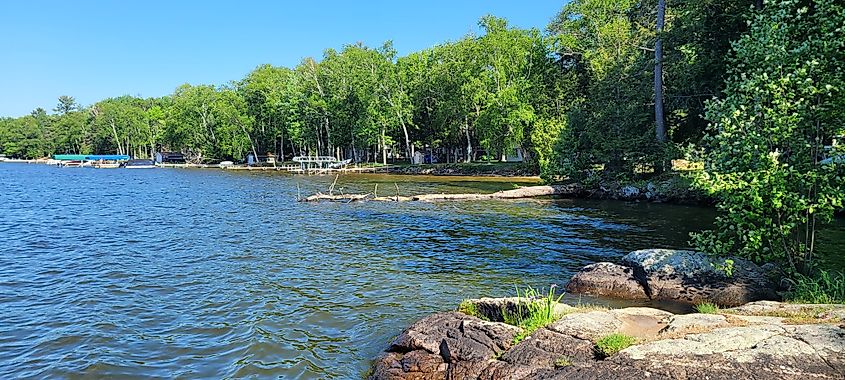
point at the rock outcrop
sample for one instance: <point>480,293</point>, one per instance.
<point>682,276</point>
<point>697,346</point>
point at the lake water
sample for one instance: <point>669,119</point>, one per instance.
<point>211,274</point>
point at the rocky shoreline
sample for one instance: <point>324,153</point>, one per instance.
<point>759,340</point>
<point>669,188</point>
<point>753,340</point>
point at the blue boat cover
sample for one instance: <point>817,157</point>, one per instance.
<point>91,157</point>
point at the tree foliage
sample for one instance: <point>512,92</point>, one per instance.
<point>783,104</point>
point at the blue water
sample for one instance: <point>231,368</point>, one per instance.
<point>210,274</point>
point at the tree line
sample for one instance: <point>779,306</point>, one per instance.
<point>580,93</point>
<point>611,89</point>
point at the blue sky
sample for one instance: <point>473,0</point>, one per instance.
<point>92,50</point>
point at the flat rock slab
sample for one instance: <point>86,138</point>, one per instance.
<point>641,322</point>
<point>765,351</point>
<point>693,322</point>
<point>772,308</point>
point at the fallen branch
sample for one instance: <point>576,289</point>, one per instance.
<point>522,192</point>
<point>335,198</point>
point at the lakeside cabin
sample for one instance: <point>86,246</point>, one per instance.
<point>268,158</point>
<point>170,158</point>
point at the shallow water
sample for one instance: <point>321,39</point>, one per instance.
<point>210,274</point>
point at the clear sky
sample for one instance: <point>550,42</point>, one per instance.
<point>92,50</point>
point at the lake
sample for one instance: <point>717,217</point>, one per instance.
<point>211,274</point>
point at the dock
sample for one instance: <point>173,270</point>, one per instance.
<point>298,169</point>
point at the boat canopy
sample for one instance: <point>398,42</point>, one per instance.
<point>107,157</point>
<point>69,157</point>
<point>90,157</point>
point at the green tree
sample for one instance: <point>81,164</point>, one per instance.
<point>613,126</point>
<point>191,122</point>
<point>66,104</point>
<point>264,89</point>
<point>784,101</point>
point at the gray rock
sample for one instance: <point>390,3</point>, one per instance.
<point>608,280</point>
<point>670,262</point>
<point>629,192</point>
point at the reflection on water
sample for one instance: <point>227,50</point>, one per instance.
<point>205,273</point>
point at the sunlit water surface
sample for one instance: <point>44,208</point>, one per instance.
<point>212,274</point>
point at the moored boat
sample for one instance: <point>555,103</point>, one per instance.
<point>72,164</point>
<point>139,164</point>
<point>105,164</point>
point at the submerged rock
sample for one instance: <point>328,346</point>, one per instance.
<point>696,346</point>
<point>675,275</point>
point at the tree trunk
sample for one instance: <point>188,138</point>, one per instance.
<point>116,137</point>
<point>409,149</point>
<point>658,74</point>
<point>383,147</point>
<point>469,141</point>
<point>282,147</point>
<point>659,118</point>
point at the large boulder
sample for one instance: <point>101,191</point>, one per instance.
<point>675,275</point>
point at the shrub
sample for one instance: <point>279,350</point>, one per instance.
<point>613,343</point>
<point>824,287</point>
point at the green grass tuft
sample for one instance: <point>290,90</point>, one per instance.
<point>707,308</point>
<point>534,310</point>
<point>613,343</point>
<point>471,309</point>
<point>824,287</point>
<point>563,361</point>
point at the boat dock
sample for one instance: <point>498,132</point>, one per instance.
<point>298,169</point>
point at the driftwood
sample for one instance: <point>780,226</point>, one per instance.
<point>522,192</point>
